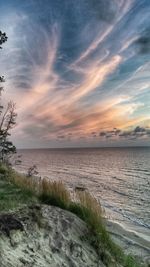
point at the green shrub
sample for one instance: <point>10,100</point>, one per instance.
<point>3,169</point>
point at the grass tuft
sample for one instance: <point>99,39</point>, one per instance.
<point>54,193</point>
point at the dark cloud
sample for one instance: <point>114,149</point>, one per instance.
<point>102,134</point>
<point>143,42</point>
<point>67,137</point>
<point>109,134</point>
<point>139,129</point>
<point>137,132</point>
<point>94,134</point>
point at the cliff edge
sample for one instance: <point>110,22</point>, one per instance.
<point>44,236</point>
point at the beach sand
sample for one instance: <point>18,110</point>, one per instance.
<point>132,242</point>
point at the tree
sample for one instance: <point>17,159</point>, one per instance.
<point>3,38</point>
<point>7,120</point>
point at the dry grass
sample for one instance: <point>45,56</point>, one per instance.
<point>90,203</point>
<point>89,209</point>
<point>26,184</point>
<point>54,193</point>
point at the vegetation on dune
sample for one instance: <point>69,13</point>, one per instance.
<point>7,119</point>
<point>17,189</point>
<point>12,195</point>
<point>54,193</point>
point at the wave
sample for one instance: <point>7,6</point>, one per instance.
<point>129,217</point>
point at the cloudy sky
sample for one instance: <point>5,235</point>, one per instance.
<point>78,71</point>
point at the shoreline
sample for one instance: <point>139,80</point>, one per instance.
<point>129,241</point>
<point>130,225</point>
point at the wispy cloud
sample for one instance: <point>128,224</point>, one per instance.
<point>76,70</point>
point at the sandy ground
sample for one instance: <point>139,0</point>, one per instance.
<point>131,242</point>
<point>45,236</point>
<point>49,236</point>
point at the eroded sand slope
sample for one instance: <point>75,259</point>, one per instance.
<point>45,236</point>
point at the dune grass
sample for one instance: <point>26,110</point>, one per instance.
<point>54,193</point>
<point>20,189</point>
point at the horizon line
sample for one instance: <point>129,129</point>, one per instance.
<point>86,147</point>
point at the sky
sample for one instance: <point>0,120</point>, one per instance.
<point>78,71</point>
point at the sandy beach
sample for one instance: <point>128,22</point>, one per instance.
<point>131,242</point>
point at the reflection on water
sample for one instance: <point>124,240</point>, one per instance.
<point>119,177</point>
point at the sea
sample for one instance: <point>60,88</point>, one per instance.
<point>118,177</point>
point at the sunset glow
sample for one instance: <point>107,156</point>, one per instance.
<point>78,72</point>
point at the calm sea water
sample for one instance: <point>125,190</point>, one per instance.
<point>118,177</point>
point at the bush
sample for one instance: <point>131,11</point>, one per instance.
<point>3,169</point>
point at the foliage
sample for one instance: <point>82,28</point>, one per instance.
<point>32,171</point>
<point>12,195</point>
<point>7,120</point>
<point>3,38</point>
